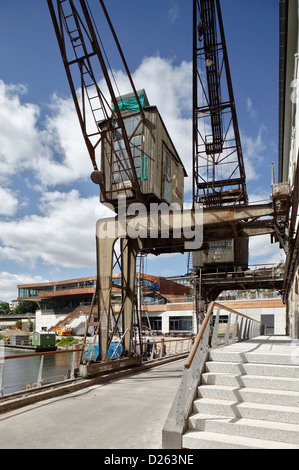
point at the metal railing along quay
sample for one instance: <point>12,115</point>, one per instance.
<point>40,380</point>
<point>167,347</point>
<point>212,334</point>
<point>154,351</point>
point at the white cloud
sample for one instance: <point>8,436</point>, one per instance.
<point>173,12</point>
<point>254,151</point>
<point>64,235</point>
<point>260,197</point>
<point>54,154</point>
<point>169,88</point>
<point>69,160</point>
<point>54,151</point>
<point>9,282</point>
<point>251,111</point>
<point>261,251</point>
<point>9,202</point>
<point>19,141</point>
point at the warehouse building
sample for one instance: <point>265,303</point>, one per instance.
<point>288,171</point>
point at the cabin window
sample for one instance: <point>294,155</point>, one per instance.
<point>167,180</point>
<point>121,166</point>
<point>222,245</point>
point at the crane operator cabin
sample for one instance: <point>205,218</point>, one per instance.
<point>156,163</point>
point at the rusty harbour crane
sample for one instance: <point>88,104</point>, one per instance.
<point>134,161</point>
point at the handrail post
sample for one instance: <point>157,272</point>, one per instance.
<point>199,336</point>
<point>206,337</point>
<point>75,361</point>
<point>215,331</point>
<point>241,329</point>
<point>235,330</point>
<point>162,347</point>
<point>40,372</point>
<point>227,332</point>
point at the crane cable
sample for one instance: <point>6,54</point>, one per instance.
<point>103,48</point>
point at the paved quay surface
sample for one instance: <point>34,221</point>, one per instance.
<point>128,413</point>
<point>267,344</point>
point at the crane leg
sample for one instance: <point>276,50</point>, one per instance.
<point>104,272</point>
<point>129,252</point>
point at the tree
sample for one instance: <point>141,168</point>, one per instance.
<point>25,306</point>
<point>4,308</point>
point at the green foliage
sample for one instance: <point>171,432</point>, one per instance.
<point>4,308</point>
<point>67,342</point>
<point>18,324</point>
<point>4,339</point>
<point>25,306</point>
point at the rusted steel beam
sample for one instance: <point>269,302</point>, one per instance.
<point>221,215</point>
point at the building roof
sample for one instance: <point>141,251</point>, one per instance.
<point>159,284</point>
<point>57,283</point>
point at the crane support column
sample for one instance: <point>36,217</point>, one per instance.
<point>129,252</point>
<point>104,268</point>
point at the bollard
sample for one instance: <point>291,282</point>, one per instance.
<point>77,355</point>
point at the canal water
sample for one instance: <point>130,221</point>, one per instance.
<point>22,373</point>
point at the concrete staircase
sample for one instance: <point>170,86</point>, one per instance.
<point>246,400</point>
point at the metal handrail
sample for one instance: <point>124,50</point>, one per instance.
<point>199,336</point>
<point>204,325</point>
<point>224,307</point>
<point>160,349</point>
<point>49,353</point>
<point>163,351</point>
<point>40,381</point>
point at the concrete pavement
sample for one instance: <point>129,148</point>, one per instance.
<point>128,413</point>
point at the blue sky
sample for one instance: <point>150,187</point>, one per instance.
<point>48,205</point>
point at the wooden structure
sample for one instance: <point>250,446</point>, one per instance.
<point>157,164</point>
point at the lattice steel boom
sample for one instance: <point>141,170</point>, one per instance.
<point>218,168</point>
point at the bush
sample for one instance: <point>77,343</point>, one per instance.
<point>18,324</point>
<point>67,342</point>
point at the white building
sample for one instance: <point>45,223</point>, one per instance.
<point>289,148</point>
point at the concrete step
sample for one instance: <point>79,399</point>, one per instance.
<point>250,410</point>
<point>209,440</point>
<point>253,395</point>
<point>221,355</point>
<point>243,427</point>
<point>251,381</point>
<point>238,368</point>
